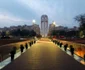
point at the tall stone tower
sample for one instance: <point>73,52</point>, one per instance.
<point>44,25</point>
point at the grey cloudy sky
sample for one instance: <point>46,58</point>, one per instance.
<point>20,12</point>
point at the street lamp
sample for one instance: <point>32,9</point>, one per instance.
<point>54,23</point>
<point>53,26</point>
<point>33,21</point>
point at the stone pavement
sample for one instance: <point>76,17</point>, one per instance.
<point>44,55</point>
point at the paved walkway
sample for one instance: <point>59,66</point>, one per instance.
<point>8,60</point>
<point>44,55</point>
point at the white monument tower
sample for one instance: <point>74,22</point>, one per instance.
<point>44,25</point>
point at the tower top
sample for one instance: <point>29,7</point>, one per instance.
<point>44,16</point>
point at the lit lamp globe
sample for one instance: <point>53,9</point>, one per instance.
<point>33,21</point>
<point>54,23</point>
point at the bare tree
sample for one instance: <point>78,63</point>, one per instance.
<point>81,20</point>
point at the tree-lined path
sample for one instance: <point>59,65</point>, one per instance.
<point>44,55</point>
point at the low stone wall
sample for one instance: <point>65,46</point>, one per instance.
<point>5,49</point>
<point>79,48</point>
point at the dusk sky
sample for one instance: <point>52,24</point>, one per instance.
<point>20,12</point>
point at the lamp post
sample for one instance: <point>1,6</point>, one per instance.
<point>54,25</point>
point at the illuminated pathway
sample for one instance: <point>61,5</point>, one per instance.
<point>44,55</point>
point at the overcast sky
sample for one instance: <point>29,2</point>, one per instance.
<point>20,12</point>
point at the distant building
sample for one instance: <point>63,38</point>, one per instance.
<point>36,28</point>
<point>51,28</point>
<point>73,29</point>
<point>44,25</point>
<point>27,27</point>
<point>60,28</point>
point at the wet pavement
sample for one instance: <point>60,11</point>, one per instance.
<point>44,55</point>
